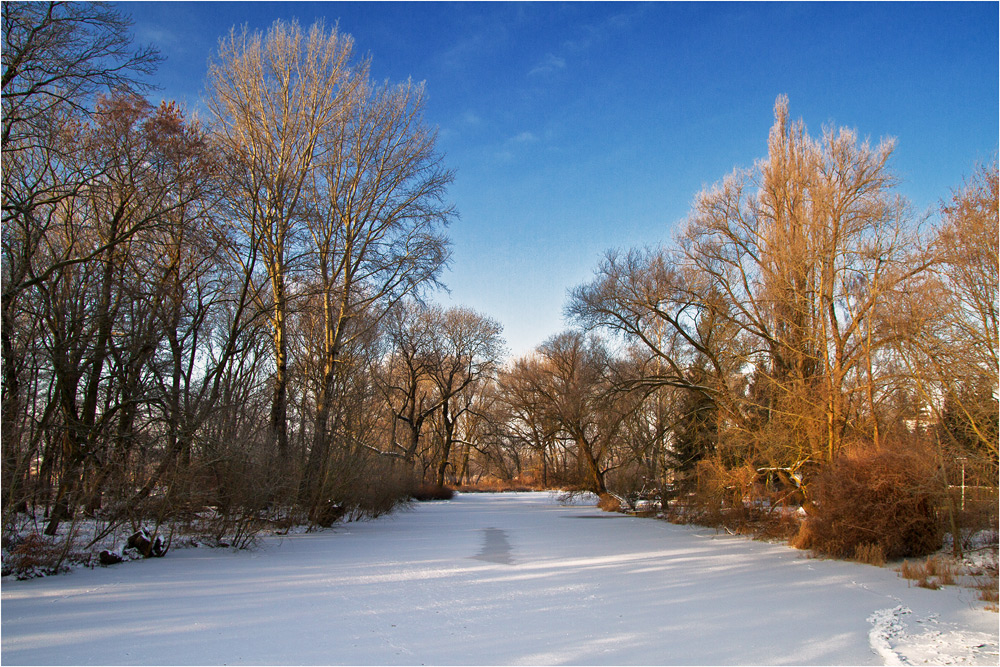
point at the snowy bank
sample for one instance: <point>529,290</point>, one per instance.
<point>494,579</point>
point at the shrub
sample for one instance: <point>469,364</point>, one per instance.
<point>326,514</point>
<point>929,583</point>
<point>366,486</point>
<point>609,503</point>
<point>379,487</point>
<point>496,485</point>
<point>932,573</point>
<point>909,570</point>
<point>986,579</point>
<point>988,592</point>
<point>36,555</point>
<point>947,577</point>
<point>716,498</point>
<point>874,499</point>
<point>804,539</point>
<point>872,554</point>
<point>979,517</point>
<point>733,499</point>
<point>425,492</point>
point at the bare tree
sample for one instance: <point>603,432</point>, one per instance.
<point>969,245</point>
<point>101,317</point>
<point>272,97</point>
<point>568,378</point>
<point>405,374</point>
<point>804,250</point>
<point>376,232</point>
<point>659,302</point>
<point>57,56</point>
<point>466,351</point>
<point>522,414</point>
<point>947,333</point>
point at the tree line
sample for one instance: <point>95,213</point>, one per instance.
<point>802,327</point>
<point>226,320</point>
<point>215,313</point>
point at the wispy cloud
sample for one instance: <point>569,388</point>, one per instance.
<point>164,39</point>
<point>550,63</point>
<point>592,34</point>
<point>587,36</point>
<point>514,146</point>
<point>462,125</point>
<point>483,35</point>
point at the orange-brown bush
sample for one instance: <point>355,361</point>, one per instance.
<point>609,503</point>
<point>884,498</point>
<point>910,570</point>
<point>496,485</point>
<point>932,573</point>
<point>872,554</point>
<point>988,589</point>
<point>733,499</point>
<point>804,538</point>
<point>37,556</point>
<point>426,492</point>
<point>717,496</point>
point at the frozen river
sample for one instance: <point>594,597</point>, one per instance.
<point>493,579</point>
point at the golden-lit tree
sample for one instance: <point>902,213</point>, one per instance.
<point>272,97</point>
<point>376,229</point>
<point>805,249</point>
<point>465,352</point>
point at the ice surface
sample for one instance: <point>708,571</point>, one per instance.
<point>494,579</point>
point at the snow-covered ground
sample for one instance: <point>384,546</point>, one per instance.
<point>494,579</point>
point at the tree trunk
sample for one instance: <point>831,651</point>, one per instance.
<point>449,434</point>
<point>312,476</point>
<point>10,412</point>
<point>279,398</point>
<point>69,481</point>
<point>597,476</point>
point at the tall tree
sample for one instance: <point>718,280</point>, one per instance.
<point>805,249</point>
<point>520,411</point>
<point>405,374</point>
<point>377,226</point>
<point>568,378</point>
<point>272,97</point>
<point>466,352</point>
<point>56,56</point>
<point>105,312</point>
<point>948,338</point>
<point>659,302</point>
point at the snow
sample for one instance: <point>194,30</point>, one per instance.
<point>494,579</point>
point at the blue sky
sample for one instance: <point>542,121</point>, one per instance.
<point>578,127</point>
